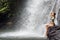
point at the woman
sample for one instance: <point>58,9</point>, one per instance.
<point>53,31</point>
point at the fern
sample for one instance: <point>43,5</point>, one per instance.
<point>4,6</point>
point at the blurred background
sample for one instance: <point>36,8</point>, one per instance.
<point>25,19</point>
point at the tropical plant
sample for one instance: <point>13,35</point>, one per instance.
<point>4,6</point>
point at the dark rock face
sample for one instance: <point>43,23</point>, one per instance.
<point>53,33</point>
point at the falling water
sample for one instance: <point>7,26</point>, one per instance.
<point>32,20</point>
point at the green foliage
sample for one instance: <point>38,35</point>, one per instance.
<point>4,6</point>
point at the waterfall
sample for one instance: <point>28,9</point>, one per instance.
<point>32,20</point>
